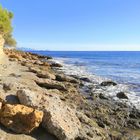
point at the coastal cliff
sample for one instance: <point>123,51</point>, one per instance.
<point>33,89</point>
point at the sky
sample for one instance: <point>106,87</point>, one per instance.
<point>78,25</point>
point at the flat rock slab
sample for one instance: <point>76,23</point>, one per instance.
<point>50,84</point>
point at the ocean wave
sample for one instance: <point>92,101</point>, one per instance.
<point>80,70</point>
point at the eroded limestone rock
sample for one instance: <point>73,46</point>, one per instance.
<point>20,118</point>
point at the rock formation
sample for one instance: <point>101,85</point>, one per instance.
<point>3,57</point>
<point>58,119</point>
<point>20,119</point>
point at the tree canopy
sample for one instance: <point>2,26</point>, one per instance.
<point>6,27</point>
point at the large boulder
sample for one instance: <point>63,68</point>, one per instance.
<point>108,83</point>
<point>122,95</point>
<point>59,119</point>
<point>20,118</point>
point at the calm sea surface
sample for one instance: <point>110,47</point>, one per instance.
<point>123,67</point>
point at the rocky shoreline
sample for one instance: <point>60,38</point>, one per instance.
<point>34,90</point>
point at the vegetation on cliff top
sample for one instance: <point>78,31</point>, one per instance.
<point>5,27</point>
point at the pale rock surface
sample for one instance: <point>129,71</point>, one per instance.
<point>3,57</point>
<point>59,119</point>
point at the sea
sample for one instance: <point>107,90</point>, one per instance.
<point>122,67</point>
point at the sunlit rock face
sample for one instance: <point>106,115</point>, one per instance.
<point>2,55</point>
<point>1,44</point>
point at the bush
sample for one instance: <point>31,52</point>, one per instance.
<point>5,26</point>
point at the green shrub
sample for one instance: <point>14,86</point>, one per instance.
<point>5,26</point>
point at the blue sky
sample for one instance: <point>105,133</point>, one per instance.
<point>76,24</point>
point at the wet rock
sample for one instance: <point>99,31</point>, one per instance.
<point>20,119</point>
<point>102,96</point>
<point>85,79</point>
<point>121,95</point>
<point>108,83</point>
<point>50,84</point>
<point>97,95</point>
<point>90,129</point>
<point>49,57</point>
<point>58,119</point>
<point>134,123</point>
<point>55,65</point>
<point>134,114</point>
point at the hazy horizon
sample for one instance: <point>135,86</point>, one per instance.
<point>88,48</point>
<point>100,25</point>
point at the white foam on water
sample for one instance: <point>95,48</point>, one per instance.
<point>110,91</point>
